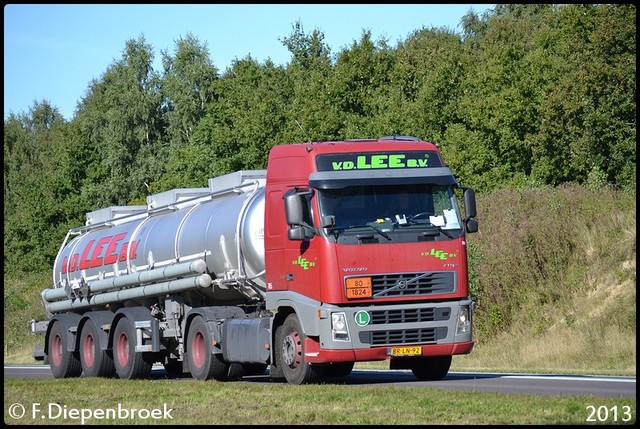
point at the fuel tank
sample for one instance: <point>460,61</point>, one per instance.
<point>216,233</point>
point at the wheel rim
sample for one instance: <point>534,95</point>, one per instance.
<point>292,350</point>
<point>123,350</point>
<point>56,350</point>
<point>198,350</point>
<point>88,351</point>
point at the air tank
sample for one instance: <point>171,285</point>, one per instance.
<point>209,239</point>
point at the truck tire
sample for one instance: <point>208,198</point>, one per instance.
<point>204,365</point>
<point>338,369</point>
<point>128,363</point>
<point>431,368</point>
<point>290,353</point>
<point>95,361</point>
<point>173,369</point>
<point>275,371</point>
<point>64,364</point>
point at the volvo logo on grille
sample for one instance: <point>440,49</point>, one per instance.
<point>401,284</point>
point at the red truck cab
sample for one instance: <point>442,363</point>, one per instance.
<point>366,257</point>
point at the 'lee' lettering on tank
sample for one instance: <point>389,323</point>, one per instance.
<point>105,251</point>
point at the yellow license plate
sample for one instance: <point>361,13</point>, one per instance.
<point>406,351</point>
<point>359,287</point>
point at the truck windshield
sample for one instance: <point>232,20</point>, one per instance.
<point>406,206</point>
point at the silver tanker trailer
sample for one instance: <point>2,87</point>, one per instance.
<point>205,243</point>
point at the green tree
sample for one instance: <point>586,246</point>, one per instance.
<point>434,62</point>
<point>248,118</point>
<point>501,95</point>
<point>308,50</point>
<point>360,86</point>
<point>40,198</point>
<point>312,114</point>
<point>588,115</point>
<point>187,87</point>
<point>121,118</point>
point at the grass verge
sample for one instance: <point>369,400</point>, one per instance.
<point>74,401</point>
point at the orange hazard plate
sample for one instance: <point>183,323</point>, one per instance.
<point>359,287</point>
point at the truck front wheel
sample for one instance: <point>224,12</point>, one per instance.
<point>431,368</point>
<point>290,353</point>
<point>339,369</point>
<point>63,363</point>
<point>95,361</point>
<point>203,365</point>
<point>128,363</point>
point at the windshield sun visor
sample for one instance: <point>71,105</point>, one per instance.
<point>341,179</point>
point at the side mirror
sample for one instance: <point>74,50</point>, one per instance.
<point>470,203</point>
<point>472,225</point>
<point>296,233</point>
<point>293,209</point>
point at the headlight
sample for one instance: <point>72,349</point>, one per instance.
<point>464,321</point>
<point>339,330</point>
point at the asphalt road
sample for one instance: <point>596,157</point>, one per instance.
<point>537,384</point>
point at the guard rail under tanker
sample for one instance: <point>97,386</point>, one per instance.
<point>205,239</point>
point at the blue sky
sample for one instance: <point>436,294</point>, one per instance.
<point>52,52</point>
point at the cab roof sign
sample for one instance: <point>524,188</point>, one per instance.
<point>378,161</point>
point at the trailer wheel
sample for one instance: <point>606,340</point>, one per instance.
<point>203,365</point>
<point>128,363</point>
<point>63,363</point>
<point>95,361</point>
<point>173,368</point>
<point>431,368</point>
<point>290,353</point>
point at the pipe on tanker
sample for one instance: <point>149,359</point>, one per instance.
<point>198,266</point>
<point>172,286</point>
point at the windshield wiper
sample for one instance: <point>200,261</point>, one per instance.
<point>439,228</point>
<point>344,228</point>
<point>442,230</point>
<point>426,222</point>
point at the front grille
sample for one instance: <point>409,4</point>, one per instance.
<point>403,336</point>
<point>412,284</point>
<point>410,315</point>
